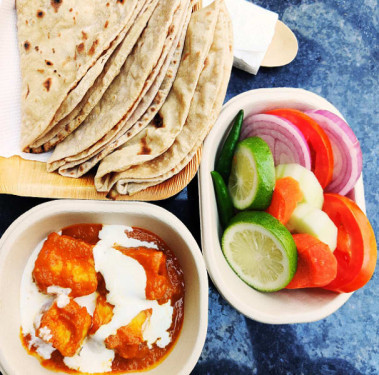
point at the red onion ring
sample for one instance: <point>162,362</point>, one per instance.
<point>346,151</point>
<point>285,140</point>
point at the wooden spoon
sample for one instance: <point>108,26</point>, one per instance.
<point>283,47</point>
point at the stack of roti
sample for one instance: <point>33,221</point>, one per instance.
<point>137,102</point>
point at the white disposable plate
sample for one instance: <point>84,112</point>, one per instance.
<point>28,230</point>
<point>285,306</point>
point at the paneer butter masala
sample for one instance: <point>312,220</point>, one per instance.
<point>101,299</point>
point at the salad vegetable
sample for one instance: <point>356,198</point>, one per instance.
<point>309,186</point>
<point>260,250</point>
<point>356,251</point>
<point>311,220</point>
<point>224,202</point>
<point>346,151</point>
<point>285,140</point>
<point>318,141</point>
<point>316,264</point>
<point>287,194</point>
<point>252,178</point>
<point>224,162</point>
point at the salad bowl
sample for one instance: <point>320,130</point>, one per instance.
<point>284,306</point>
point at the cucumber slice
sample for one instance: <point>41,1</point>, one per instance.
<point>310,220</point>
<point>309,185</point>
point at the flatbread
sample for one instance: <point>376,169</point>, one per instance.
<point>126,89</point>
<point>205,107</point>
<point>144,113</point>
<point>161,133</point>
<point>59,42</point>
<point>84,97</point>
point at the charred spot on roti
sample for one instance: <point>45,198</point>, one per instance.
<point>40,13</point>
<point>171,29</point>
<point>53,50</point>
<point>27,91</point>
<point>145,149</point>
<point>121,1</point>
<point>185,56</point>
<point>80,48</point>
<point>84,36</point>
<point>47,84</point>
<point>93,47</point>
<point>36,48</point>
<point>106,24</point>
<point>56,4</point>
<point>27,45</point>
<point>206,63</point>
<point>49,63</point>
<point>158,121</point>
<point>70,10</point>
<point>41,71</point>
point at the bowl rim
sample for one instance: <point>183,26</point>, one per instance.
<point>157,212</point>
<point>207,201</point>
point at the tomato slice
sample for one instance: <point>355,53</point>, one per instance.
<point>318,142</point>
<point>356,250</point>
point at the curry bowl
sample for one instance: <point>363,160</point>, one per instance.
<point>284,306</point>
<point>31,228</point>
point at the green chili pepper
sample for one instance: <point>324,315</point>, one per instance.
<point>224,162</point>
<point>224,202</point>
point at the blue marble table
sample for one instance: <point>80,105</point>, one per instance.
<point>338,59</point>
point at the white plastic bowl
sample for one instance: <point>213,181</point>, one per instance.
<point>28,230</point>
<point>285,306</point>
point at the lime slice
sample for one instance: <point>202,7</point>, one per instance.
<point>252,178</point>
<point>260,250</point>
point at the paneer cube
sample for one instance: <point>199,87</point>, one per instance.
<point>128,341</point>
<point>65,328</point>
<point>154,263</point>
<point>103,314</point>
<point>66,262</point>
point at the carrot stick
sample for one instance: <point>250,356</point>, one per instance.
<point>316,264</point>
<point>286,196</point>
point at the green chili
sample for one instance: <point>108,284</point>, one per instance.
<point>224,162</point>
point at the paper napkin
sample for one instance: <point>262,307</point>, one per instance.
<point>253,29</point>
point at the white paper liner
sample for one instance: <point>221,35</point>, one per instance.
<point>10,88</point>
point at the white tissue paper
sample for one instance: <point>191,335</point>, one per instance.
<point>10,87</point>
<point>253,29</point>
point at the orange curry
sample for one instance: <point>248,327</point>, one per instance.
<point>67,260</point>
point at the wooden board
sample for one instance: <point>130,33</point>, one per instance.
<point>30,178</point>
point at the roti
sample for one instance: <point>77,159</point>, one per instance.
<point>161,133</point>
<point>126,90</point>
<point>55,59</point>
<point>205,107</point>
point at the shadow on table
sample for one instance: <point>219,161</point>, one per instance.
<point>276,352</point>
